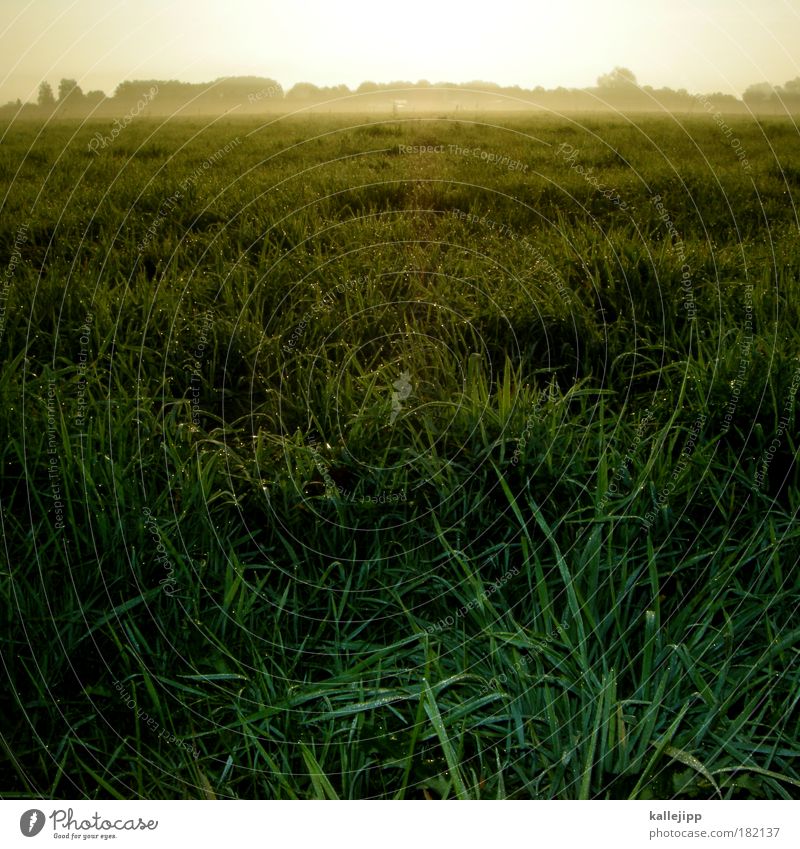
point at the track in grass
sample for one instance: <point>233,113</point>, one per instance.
<point>341,462</point>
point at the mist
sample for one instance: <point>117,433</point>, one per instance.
<point>615,91</point>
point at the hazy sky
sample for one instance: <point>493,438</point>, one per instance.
<point>701,45</point>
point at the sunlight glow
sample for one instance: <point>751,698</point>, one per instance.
<point>702,45</point>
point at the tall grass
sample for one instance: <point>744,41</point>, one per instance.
<point>564,568</point>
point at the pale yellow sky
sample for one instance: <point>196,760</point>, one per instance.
<point>701,45</point>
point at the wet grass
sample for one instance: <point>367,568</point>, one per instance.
<point>245,557</point>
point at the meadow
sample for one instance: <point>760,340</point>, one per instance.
<point>427,457</point>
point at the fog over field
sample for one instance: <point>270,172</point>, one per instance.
<point>400,402</point>
<point>615,92</point>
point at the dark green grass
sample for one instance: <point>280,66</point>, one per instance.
<point>589,587</point>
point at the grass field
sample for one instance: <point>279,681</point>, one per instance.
<point>424,458</point>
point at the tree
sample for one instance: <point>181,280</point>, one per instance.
<point>94,98</point>
<point>792,87</point>
<point>758,92</point>
<point>303,91</point>
<point>618,78</point>
<point>69,90</point>
<point>70,97</point>
<point>47,99</point>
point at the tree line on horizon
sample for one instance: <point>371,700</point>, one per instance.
<point>617,90</point>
